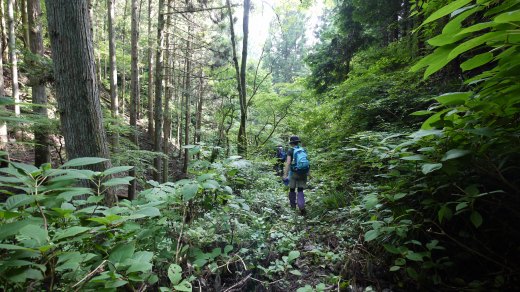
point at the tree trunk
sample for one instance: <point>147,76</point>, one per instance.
<point>25,24</point>
<point>150,72</point>
<point>134,95</point>
<point>41,135</point>
<point>77,89</point>
<point>4,40</point>
<point>198,125</point>
<point>3,126</point>
<point>242,137</point>
<point>114,102</point>
<point>14,62</point>
<point>187,100</point>
<point>123,73</point>
<point>168,93</point>
<point>241,74</point>
<point>159,59</point>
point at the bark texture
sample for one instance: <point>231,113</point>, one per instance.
<point>158,112</point>
<point>114,101</point>
<point>134,95</point>
<point>41,135</point>
<point>13,58</point>
<point>76,84</point>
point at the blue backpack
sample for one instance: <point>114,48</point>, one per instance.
<point>300,162</point>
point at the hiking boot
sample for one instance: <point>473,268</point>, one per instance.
<point>303,212</point>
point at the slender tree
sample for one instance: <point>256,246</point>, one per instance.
<point>77,89</point>
<point>187,104</point>
<point>41,135</point>
<point>3,126</point>
<point>4,37</point>
<point>150,72</point>
<point>242,137</point>
<point>114,102</point>
<point>134,87</point>
<point>169,79</point>
<point>25,23</point>
<point>159,75</point>
<point>241,73</point>
<point>14,61</point>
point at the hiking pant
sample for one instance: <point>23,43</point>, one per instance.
<point>297,198</point>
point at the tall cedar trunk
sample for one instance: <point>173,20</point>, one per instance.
<point>168,92</point>
<point>180,102</point>
<point>242,137</point>
<point>3,125</point>
<point>134,95</point>
<point>187,100</point>
<point>13,60</point>
<point>123,73</point>
<point>77,90</point>
<point>4,41</point>
<point>41,135</point>
<point>25,24</point>
<point>159,59</point>
<point>114,102</point>
<point>150,72</point>
<point>198,125</point>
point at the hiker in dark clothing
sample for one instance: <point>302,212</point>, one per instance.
<point>296,171</point>
<point>281,156</point>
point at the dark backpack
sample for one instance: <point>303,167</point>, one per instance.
<point>281,154</point>
<point>300,162</point>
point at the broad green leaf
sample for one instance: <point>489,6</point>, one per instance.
<point>115,283</point>
<point>293,255</point>
<point>295,272</point>
<point>175,273</point>
<point>430,167</point>
<point>16,201</point>
<point>455,153</point>
<point>13,247</point>
<point>422,113</point>
<point>451,7</point>
<point>461,206</point>
<point>370,201</point>
<point>475,42</point>
<point>511,16</point>
<point>149,212</point>
<point>476,27</point>
<point>9,229</point>
<point>69,232</point>
<point>141,262</point>
<point>477,61</point>
<point>122,252</point>
<point>21,277</point>
<point>391,249</point>
<point>413,256</point>
<point>83,161</point>
<point>69,195</point>
<point>189,191</point>
<point>116,169</point>
<point>36,232</point>
<point>109,219</point>
<point>211,184</point>
<point>184,286</point>
<point>444,213</point>
<point>25,167</point>
<point>445,39</point>
<point>418,157</point>
<point>454,98</point>
<point>476,219</point>
<point>395,268</point>
<point>118,181</point>
<point>371,235</point>
<point>439,58</point>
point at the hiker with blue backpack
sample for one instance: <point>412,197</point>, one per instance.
<point>296,171</point>
<point>281,156</point>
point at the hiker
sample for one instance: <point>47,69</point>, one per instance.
<point>296,171</point>
<point>281,156</point>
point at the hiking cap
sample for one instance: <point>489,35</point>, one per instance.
<point>294,139</point>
